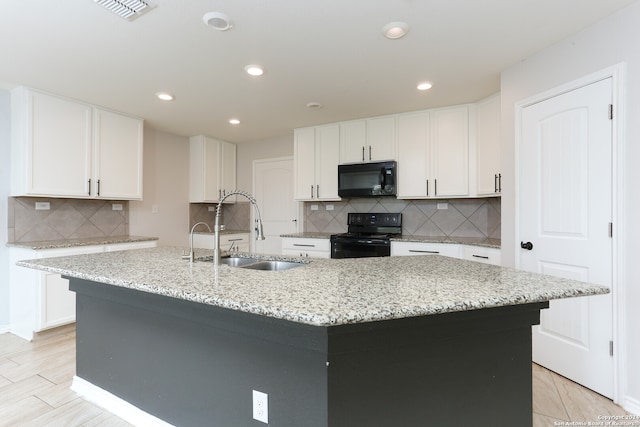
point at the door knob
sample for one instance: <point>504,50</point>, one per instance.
<point>528,246</point>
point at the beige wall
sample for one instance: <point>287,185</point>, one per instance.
<point>265,149</point>
<point>601,46</point>
<point>166,186</point>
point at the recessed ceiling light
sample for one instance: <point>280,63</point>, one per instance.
<point>165,96</point>
<point>254,70</point>
<point>234,121</point>
<point>424,85</point>
<point>395,30</point>
<point>217,20</point>
<point>314,105</point>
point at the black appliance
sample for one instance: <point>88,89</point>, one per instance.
<point>367,179</point>
<point>369,235</point>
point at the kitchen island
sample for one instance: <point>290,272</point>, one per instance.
<point>410,341</point>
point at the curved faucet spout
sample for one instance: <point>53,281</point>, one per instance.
<point>216,227</point>
<point>191,255</point>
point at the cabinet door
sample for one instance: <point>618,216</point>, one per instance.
<point>204,174</point>
<point>413,155</point>
<point>420,248</point>
<point>118,156</point>
<point>450,150</point>
<point>353,138</point>
<point>381,139</point>
<point>228,169</point>
<point>304,163</point>
<point>59,154</point>
<point>327,152</point>
<point>481,254</point>
<point>488,146</point>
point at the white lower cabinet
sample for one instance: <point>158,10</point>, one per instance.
<point>233,242</point>
<point>306,247</point>
<point>419,248</point>
<point>40,300</point>
<point>482,254</point>
<point>468,252</point>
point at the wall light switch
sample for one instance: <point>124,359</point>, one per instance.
<point>43,206</point>
<point>154,209</point>
<point>116,206</point>
<point>442,206</point>
<point>211,208</point>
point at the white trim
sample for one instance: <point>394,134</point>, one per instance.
<point>115,405</point>
<point>618,75</point>
<point>4,329</point>
<point>631,405</point>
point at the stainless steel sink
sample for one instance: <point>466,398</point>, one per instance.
<point>238,262</point>
<point>260,264</point>
<point>273,265</point>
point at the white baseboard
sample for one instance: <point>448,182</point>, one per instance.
<point>115,405</point>
<point>631,405</point>
<point>4,329</point>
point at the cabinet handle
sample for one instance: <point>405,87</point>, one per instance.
<point>89,192</point>
<point>435,187</point>
<point>236,240</point>
<point>480,256</point>
<point>363,153</point>
<point>98,184</point>
<point>312,191</point>
<point>304,246</point>
<point>369,152</point>
<point>318,191</point>
<point>219,194</point>
<point>427,188</point>
<point>499,183</point>
<point>495,183</point>
<point>423,252</point>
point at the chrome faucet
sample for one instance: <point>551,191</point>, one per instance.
<point>191,255</point>
<point>216,227</point>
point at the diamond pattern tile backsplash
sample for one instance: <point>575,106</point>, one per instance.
<point>66,219</point>
<point>455,217</point>
<point>234,216</point>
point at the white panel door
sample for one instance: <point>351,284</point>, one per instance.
<point>564,212</point>
<point>273,190</point>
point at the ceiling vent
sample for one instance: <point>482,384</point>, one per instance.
<point>127,9</point>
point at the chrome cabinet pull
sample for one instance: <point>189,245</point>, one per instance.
<point>304,246</point>
<point>495,183</point>
<point>435,187</point>
<point>89,192</point>
<point>480,256</point>
<point>98,184</point>
<point>363,153</point>
<point>427,188</point>
<point>423,252</point>
<point>499,183</point>
<point>312,191</point>
<point>318,191</point>
<point>369,152</point>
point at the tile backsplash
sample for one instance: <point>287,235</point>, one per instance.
<point>234,216</point>
<point>431,218</point>
<point>66,219</point>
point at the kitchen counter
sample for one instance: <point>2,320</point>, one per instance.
<point>324,292</point>
<point>70,243</point>
<point>472,241</point>
<point>412,341</point>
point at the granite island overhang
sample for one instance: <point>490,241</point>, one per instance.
<point>410,341</point>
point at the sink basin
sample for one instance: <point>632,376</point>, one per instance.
<point>238,262</point>
<point>273,265</point>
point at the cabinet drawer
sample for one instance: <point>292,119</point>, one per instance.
<point>417,248</point>
<point>482,254</point>
<point>316,248</point>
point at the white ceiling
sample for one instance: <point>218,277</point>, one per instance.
<point>327,51</point>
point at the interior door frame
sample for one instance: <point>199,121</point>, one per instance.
<point>617,74</point>
<point>253,191</point>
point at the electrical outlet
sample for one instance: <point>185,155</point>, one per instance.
<point>116,206</point>
<point>211,208</point>
<point>314,207</point>
<point>442,206</point>
<point>329,207</point>
<point>154,209</point>
<point>43,206</point>
<point>260,406</point>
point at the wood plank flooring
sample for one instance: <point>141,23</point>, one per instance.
<point>35,379</point>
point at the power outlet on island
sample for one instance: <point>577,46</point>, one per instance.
<point>260,406</point>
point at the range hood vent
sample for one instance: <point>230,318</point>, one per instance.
<point>127,9</point>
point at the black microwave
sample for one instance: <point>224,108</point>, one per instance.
<point>367,179</point>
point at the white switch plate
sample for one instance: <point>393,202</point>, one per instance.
<point>116,206</point>
<point>43,206</point>
<point>261,406</point>
<point>211,208</point>
<point>329,207</point>
<point>442,206</point>
<point>314,207</point>
<point>154,209</point>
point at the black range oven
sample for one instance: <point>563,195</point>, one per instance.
<point>369,235</point>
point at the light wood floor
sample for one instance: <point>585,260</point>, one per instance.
<point>35,379</point>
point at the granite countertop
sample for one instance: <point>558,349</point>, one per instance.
<point>473,241</point>
<point>70,243</point>
<point>324,291</point>
<point>225,231</point>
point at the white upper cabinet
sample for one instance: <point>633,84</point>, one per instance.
<point>212,169</point>
<point>117,155</point>
<point>65,148</point>
<point>489,176</point>
<point>316,157</point>
<point>433,153</point>
<point>368,140</point>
